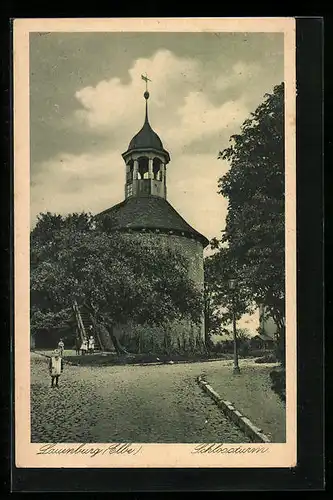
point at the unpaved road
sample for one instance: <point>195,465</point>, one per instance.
<point>126,404</point>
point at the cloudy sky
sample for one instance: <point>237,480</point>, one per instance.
<point>86,104</point>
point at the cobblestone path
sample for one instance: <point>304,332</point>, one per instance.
<point>125,404</point>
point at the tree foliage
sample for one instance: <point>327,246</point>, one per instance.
<point>254,234</point>
<point>219,302</point>
<point>119,277</point>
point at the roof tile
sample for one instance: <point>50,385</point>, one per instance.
<point>149,212</point>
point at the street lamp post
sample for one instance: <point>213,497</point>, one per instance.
<point>232,287</point>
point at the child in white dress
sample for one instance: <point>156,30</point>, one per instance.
<point>55,368</point>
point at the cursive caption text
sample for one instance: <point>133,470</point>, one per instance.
<point>87,450</point>
<point>222,448</point>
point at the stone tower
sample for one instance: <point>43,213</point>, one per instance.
<point>145,213</point>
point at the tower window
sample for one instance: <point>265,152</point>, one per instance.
<point>129,175</point>
<point>157,169</point>
<point>143,167</point>
<point>129,190</point>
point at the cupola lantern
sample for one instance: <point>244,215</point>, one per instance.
<point>146,161</point>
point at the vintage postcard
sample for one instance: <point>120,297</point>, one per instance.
<point>155,242</point>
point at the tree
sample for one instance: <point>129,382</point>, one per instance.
<point>48,311</point>
<point>254,186</point>
<point>219,268</point>
<point>212,310</point>
<point>118,277</point>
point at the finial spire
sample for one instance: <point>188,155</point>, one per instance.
<point>146,79</point>
<point>146,94</point>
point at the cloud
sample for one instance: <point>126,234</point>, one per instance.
<point>181,111</point>
<point>239,73</point>
<point>192,190</point>
<point>70,183</point>
<point>179,106</point>
<point>199,118</point>
<point>112,104</point>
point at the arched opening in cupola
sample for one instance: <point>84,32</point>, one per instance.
<point>129,172</point>
<point>157,172</point>
<point>143,167</point>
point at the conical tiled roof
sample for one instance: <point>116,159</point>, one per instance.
<point>148,213</point>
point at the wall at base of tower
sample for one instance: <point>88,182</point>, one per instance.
<point>180,336</point>
<point>177,337</point>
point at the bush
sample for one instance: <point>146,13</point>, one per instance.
<point>278,379</point>
<point>280,348</point>
<point>259,353</point>
<point>244,349</point>
<point>268,358</point>
<point>227,347</point>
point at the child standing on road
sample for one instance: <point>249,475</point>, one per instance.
<point>55,367</point>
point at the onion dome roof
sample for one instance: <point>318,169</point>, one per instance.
<point>146,138</point>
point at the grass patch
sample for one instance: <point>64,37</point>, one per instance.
<point>113,359</point>
<point>251,393</point>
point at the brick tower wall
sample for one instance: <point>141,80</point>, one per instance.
<point>182,336</point>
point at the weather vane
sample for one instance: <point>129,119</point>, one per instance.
<point>146,79</point>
